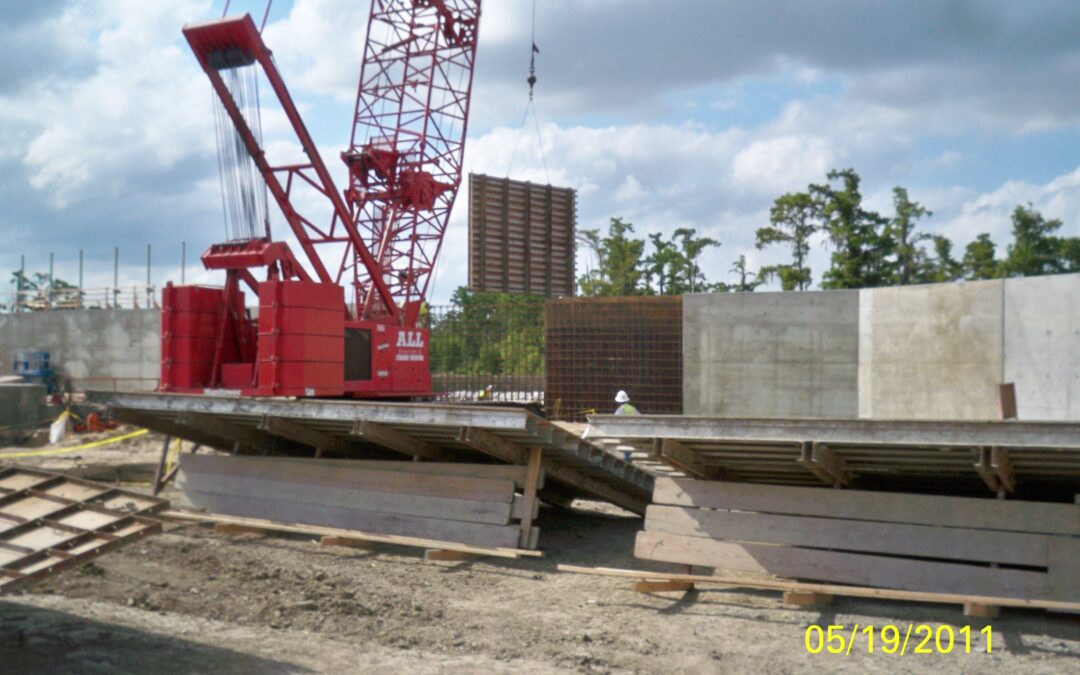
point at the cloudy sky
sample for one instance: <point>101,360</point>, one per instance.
<point>683,113</point>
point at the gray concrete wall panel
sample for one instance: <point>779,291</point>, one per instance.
<point>102,349</point>
<point>1042,346</point>
<point>771,354</point>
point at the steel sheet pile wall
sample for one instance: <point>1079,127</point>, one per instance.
<point>521,237</point>
<point>597,346</point>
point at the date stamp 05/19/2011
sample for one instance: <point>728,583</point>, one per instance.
<point>891,639</point>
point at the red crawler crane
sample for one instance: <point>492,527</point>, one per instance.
<point>383,234</point>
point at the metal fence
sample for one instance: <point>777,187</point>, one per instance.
<point>476,345</point>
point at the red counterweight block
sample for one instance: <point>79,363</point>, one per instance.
<point>301,339</point>
<point>191,319</point>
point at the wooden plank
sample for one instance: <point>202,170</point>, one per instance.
<point>1064,567</point>
<point>169,428</point>
<point>529,502</point>
<point>251,438</point>
<point>491,471</point>
<point>832,589</point>
<point>336,517</point>
<point>981,611</point>
<point>852,568</point>
<point>391,439</point>
<point>340,474</point>
<point>991,514</point>
<point>295,431</point>
<point>819,460</point>
<point>231,528</point>
<point>646,586</point>
<point>345,496</point>
<point>686,460</point>
<point>294,528</point>
<point>495,446</point>
<point>442,554</point>
<point>806,599</point>
<point>348,542</point>
<point>507,451</point>
<point>852,535</point>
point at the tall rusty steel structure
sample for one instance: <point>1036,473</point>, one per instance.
<point>521,237</point>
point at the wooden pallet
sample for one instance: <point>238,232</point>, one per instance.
<point>934,544</point>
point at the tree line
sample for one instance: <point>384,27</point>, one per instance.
<point>868,249</point>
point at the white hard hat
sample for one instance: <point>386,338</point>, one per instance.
<point>622,397</point>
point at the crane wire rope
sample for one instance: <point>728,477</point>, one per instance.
<point>530,106</point>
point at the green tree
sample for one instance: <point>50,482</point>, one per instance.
<point>663,264</point>
<point>690,277</point>
<point>1035,250</point>
<point>979,261</point>
<point>942,266</point>
<point>620,268</point>
<point>748,281</point>
<point>862,252</point>
<point>905,241</point>
<point>674,265</point>
<point>792,221</point>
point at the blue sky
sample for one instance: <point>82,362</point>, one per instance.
<point>689,113</point>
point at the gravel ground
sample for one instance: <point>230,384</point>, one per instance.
<point>192,600</point>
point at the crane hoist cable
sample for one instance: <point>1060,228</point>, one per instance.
<point>530,106</point>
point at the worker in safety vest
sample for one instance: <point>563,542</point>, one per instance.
<point>485,393</point>
<point>624,408</point>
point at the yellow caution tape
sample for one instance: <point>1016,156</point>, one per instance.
<point>85,446</point>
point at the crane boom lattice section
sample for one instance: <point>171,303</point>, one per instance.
<point>405,154</point>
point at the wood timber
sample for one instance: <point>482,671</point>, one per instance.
<point>854,568</point>
<point>300,433</point>
<point>391,439</point>
<point>648,586</point>
<point>805,599</point>
<point>488,471</point>
<point>990,514</point>
<point>441,554</point>
<point>340,473</point>
<point>277,526</point>
<point>852,535</point>
<point>529,502</point>
<point>831,589</point>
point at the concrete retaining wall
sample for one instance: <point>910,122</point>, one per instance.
<point>99,349</point>
<point>1042,346</point>
<point>934,351</point>
<point>771,354</point>
<point>931,351</point>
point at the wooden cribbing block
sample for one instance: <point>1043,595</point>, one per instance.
<point>229,528</point>
<point>806,599</point>
<point>981,611</point>
<point>441,554</point>
<point>345,541</point>
<point>644,586</point>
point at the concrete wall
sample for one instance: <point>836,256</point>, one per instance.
<point>931,352</point>
<point>100,349</point>
<point>1042,346</point>
<point>771,354</point>
<point>936,351</point>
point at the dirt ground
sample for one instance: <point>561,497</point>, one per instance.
<point>191,600</point>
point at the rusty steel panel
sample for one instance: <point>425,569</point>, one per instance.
<point>49,522</point>
<point>597,346</point>
<point>521,237</point>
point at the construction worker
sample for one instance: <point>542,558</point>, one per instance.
<point>624,408</point>
<point>485,393</point>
